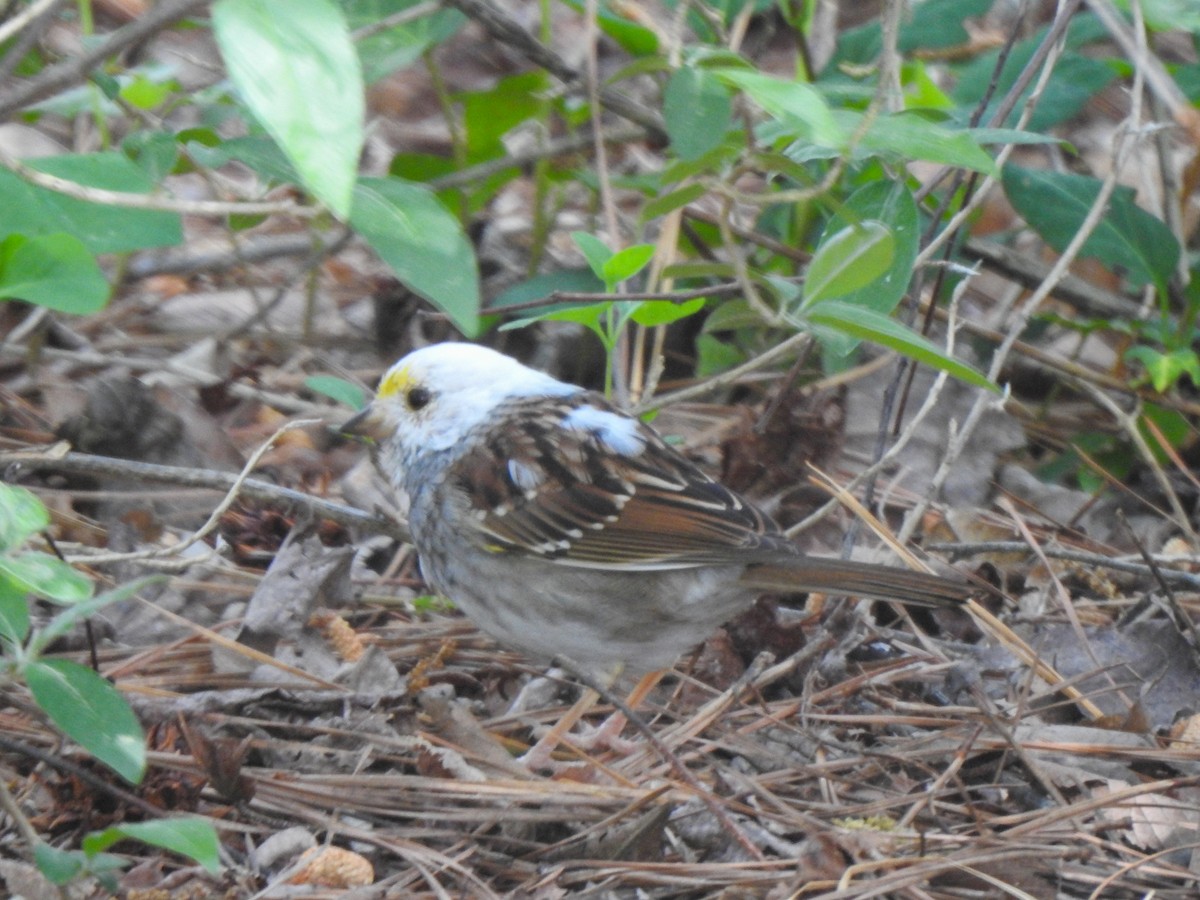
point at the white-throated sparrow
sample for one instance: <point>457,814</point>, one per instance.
<point>564,527</point>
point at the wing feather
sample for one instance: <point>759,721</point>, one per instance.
<point>600,489</point>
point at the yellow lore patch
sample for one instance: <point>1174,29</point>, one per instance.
<point>395,382</point>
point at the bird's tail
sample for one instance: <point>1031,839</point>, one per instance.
<point>838,576</point>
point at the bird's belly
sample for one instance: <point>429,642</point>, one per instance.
<point>596,618</point>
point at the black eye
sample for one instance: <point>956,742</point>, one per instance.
<point>418,398</point>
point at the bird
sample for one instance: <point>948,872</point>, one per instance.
<point>568,529</point>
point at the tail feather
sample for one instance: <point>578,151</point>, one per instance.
<point>813,573</point>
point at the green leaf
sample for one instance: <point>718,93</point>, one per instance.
<point>666,203</point>
<point>594,250</point>
<point>345,392</point>
<point>910,135</point>
<point>938,24</point>
<point>892,204</point>
<point>14,615</point>
<point>189,836</point>
<point>402,45</point>
<point>490,115</point>
<point>697,110</point>
<point>1128,238</point>
<point>794,103</point>
<point>91,712</point>
<point>55,271</point>
<point>1075,79</point>
<point>1164,369</point>
<point>67,618</point>
<point>869,325</point>
<point>848,260</point>
<point>46,576</point>
<point>626,263</point>
<point>299,74</point>
<point>65,866</point>
<point>22,515</point>
<point>660,312</point>
<point>1169,15</point>
<point>59,866</point>
<point>423,243</point>
<point>101,228</point>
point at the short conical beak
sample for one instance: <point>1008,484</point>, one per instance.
<point>366,423</point>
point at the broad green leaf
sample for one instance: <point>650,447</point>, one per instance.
<point>849,259</point>
<point>101,228</point>
<point>871,326</point>
<point>697,110</point>
<point>799,106</point>
<point>345,392</point>
<point>594,250</point>
<point>46,576</point>
<point>256,151</point>
<point>189,836</point>
<point>1129,238</point>
<point>299,74</point>
<point>490,115</point>
<point>909,135</point>
<point>1076,78</point>
<point>14,616</point>
<point>938,24</point>
<point>423,243</point>
<point>55,271</point>
<point>22,515</point>
<point>575,281</point>
<point>626,263</point>
<point>91,712</point>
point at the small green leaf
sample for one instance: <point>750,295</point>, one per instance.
<point>91,712</point>
<point>1165,369</point>
<point>46,576</point>
<point>55,271</point>
<point>189,836</point>
<point>72,614</point>
<point>14,615</point>
<point>659,312</point>
<point>22,515</point>
<point>59,866</point>
<point>697,110</point>
<point>423,243</point>
<point>673,200</point>
<point>849,259</point>
<point>892,204</point>
<point>299,74</point>
<point>626,263</point>
<point>594,250</point>
<point>345,392</point>
<point>869,325</point>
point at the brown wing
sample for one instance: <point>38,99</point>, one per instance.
<point>585,485</point>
